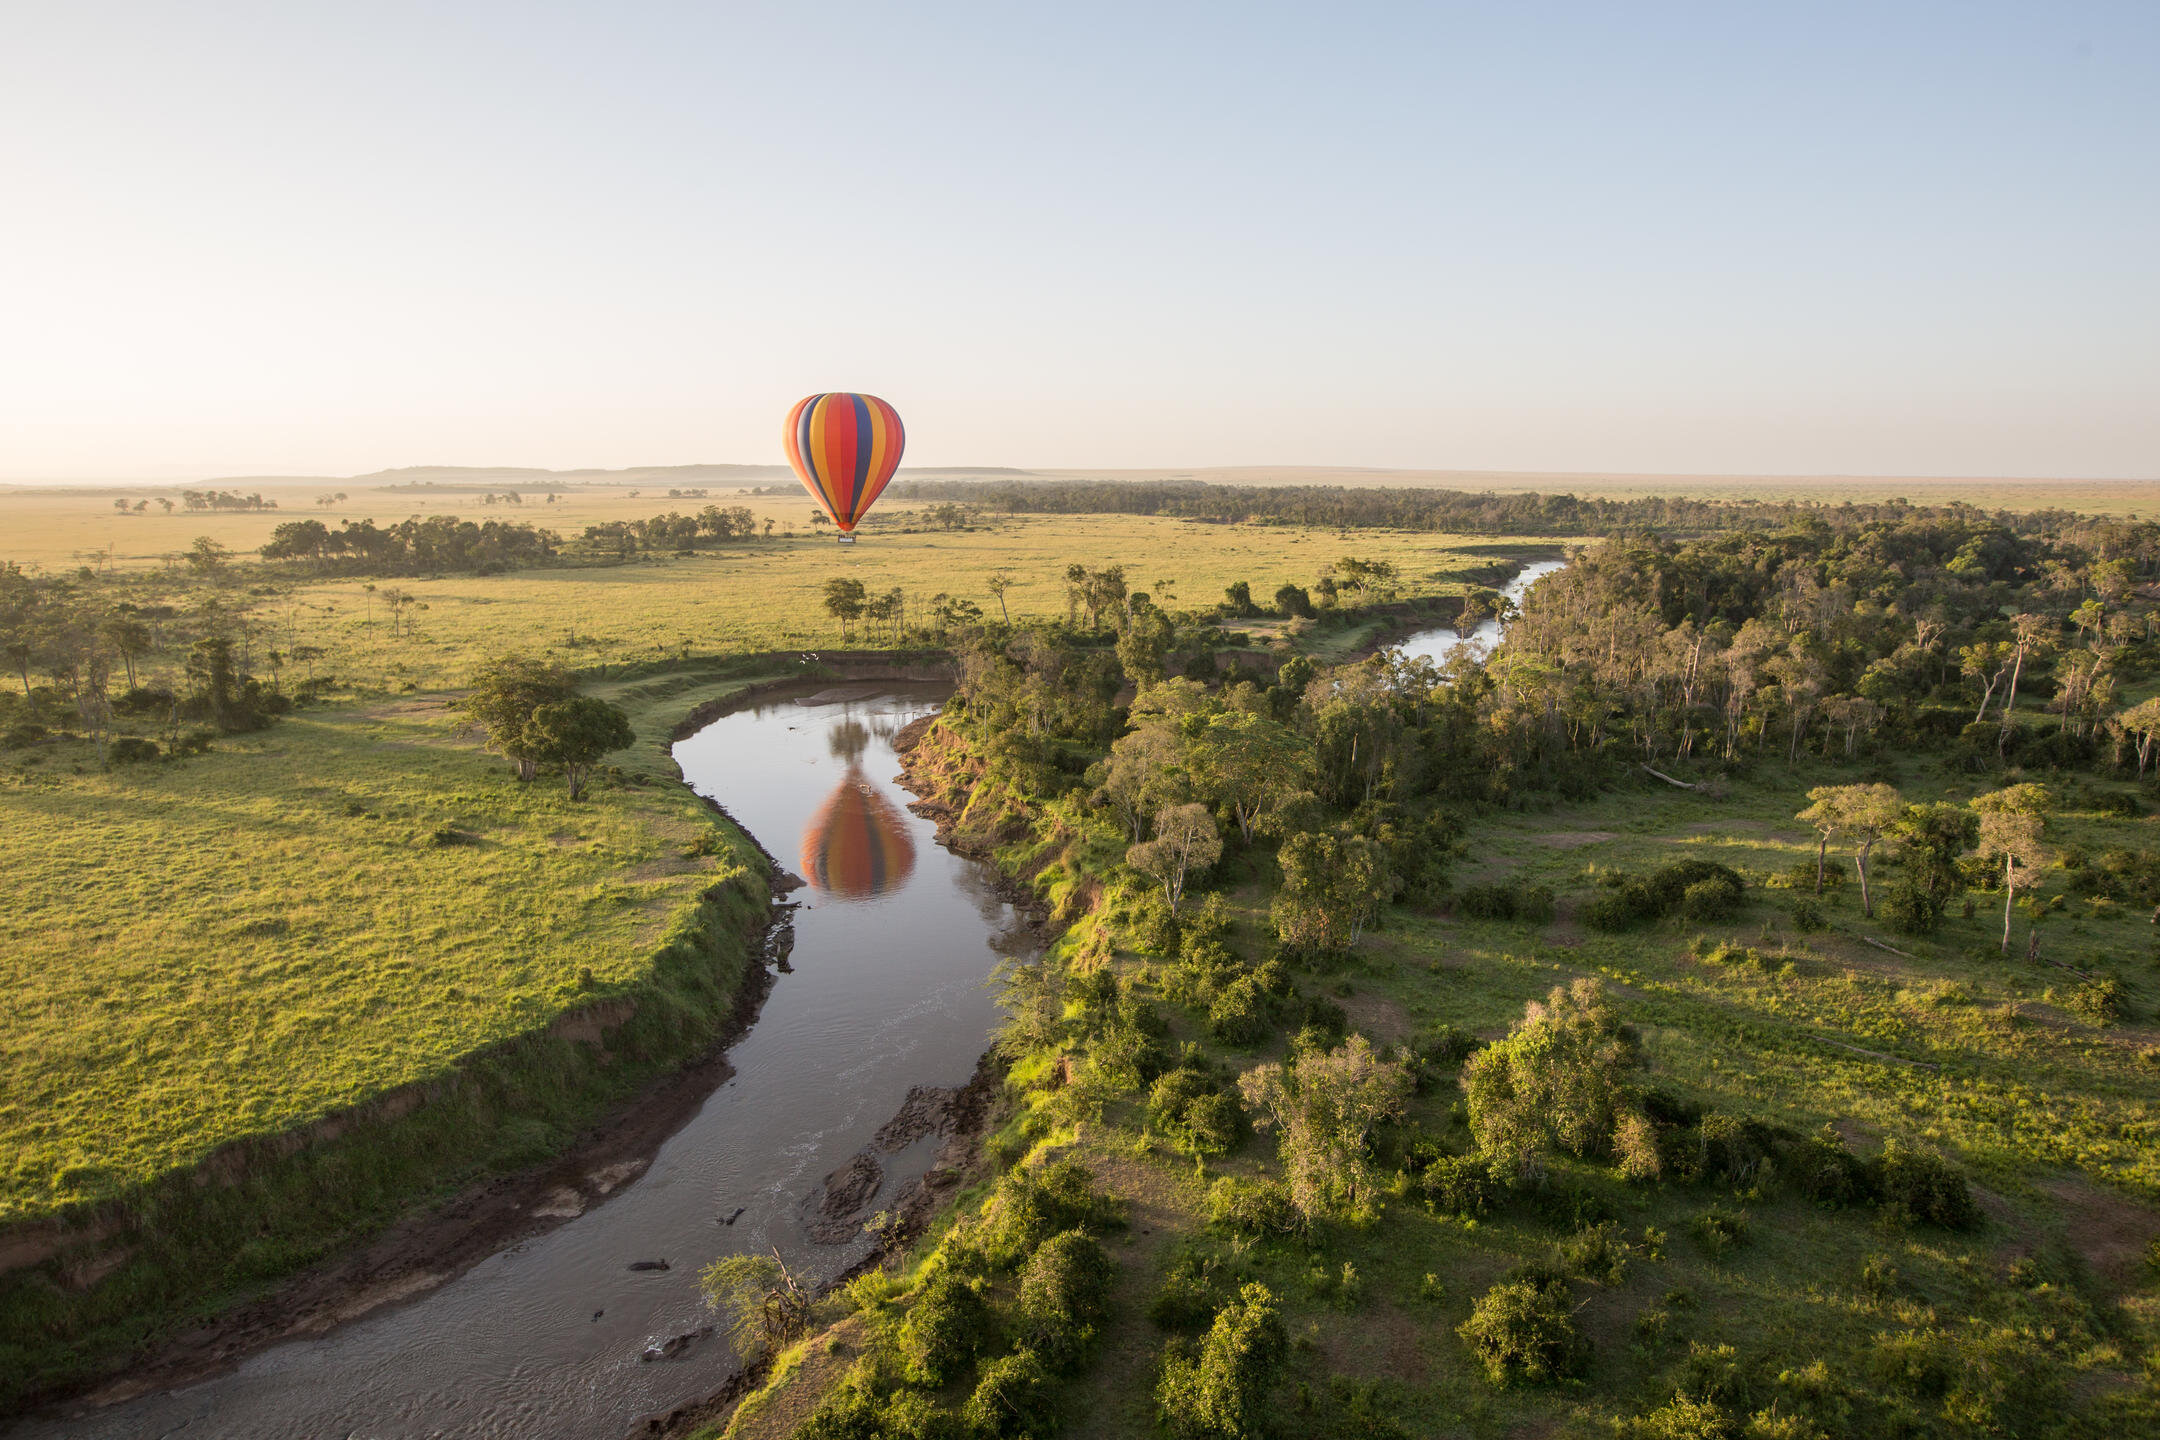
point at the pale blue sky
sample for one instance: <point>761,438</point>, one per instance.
<point>1878,238</point>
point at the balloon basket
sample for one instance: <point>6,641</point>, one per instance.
<point>847,539</point>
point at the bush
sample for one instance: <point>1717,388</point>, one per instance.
<point>1460,1185</point>
<point>1196,1112</point>
<point>1618,907</point>
<point>1187,1298</point>
<point>1239,1015</point>
<point>1031,1205</point>
<point>1708,900</point>
<point>1720,1229</point>
<point>1251,1207</point>
<point>1523,1329</point>
<point>1595,1252</point>
<point>2102,1001</point>
<point>22,735</point>
<point>1808,917</point>
<point>132,750</point>
<point>944,1331</point>
<point>1013,1398</point>
<point>1802,876</point>
<point>1822,1169</point>
<point>1910,910</point>
<point>1926,1186</point>
<point>1062,1295</point>
<point>1222,1393</point>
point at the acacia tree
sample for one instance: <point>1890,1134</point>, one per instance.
<point>998,583</point>
<point>2011,822</point>
<point>1325,1107</point>
<point>1863,814</point>
<point>2143,721</point>
<point>504,696</point>
<point>845,598</point>
<point>575,734</point>
<point>1185,841</point>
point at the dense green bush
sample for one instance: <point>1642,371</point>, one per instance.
<point>1460,1185</point>
<point>1926,1186</point>
<point>1240,1014</point>
<point>1197,1111</point>
<point>947,1328</point>
<point>1707,900</point>
<point>1189,1296</point>
<point>1506,900</point>
<point>2103,1001</point>
<point>1222,1392</point>
<point>1014,1398</point>
<point>1032,1204</point>
<point>1823,1169</point>
<point>1251,1207</point>
<point>1062,1296</point>
<point>1808,917</point>
<point>1524,1329</point>
<point>1909,910</point>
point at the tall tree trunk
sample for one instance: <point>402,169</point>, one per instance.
<point>1867,903</point>
<point>2009,897</point>
<point>1821,852</point>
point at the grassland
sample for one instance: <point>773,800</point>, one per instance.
<point>1814,1314</point>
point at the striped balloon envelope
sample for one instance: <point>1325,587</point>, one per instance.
<point>857,845</point>
<point>844,449</point>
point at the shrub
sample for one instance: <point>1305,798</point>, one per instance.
<point>944,1331</point>
<point>1618,907</point>
<point>1808,917</point>
<point>1460,1185</point>
<point>1733,1149</point>
<point>1062,1295</point>
<point>1239,1015</point>
<point>1910,910</point>
<point>1822,1169</point>
<point>22,735</point>
<point>1013,1398</point>
<point>132,750</point>
<point>1636,1150</point>
<point>1926,1186</point>
<point>1595,1252</point>
<point>2102,1001</point>
<point>1222,1393</point>
<point>1707,900</point>
<point>1031,1205</point>
<point>1196,1112</point>
<point>1251,1207</point>
<point>1326,1022</point>
<point>1524,1330</point>
<point>1720,1229</point>
<point>1560,1078</point>
<point>1187,1298</point>
<point>1686,1418</point>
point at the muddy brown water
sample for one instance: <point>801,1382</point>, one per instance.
<point>884,990</point>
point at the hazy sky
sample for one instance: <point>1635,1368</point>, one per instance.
<point>1803,238</point>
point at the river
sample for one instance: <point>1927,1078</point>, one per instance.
<point>883,991</point>
<point>1438,645</point>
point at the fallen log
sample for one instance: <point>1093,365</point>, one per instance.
<point>1684,785</point>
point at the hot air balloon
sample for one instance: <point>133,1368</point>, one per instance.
<point>857,845</point>
<point>844,448</point>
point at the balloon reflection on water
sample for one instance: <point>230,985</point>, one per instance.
<point>857,845</point>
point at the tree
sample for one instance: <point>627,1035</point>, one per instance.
<point>1238,597</point>
<point>2011,823</point>
<point>575,734</point>
<point>206,557</point>
<point>997,585</point>
<point>1863,814</point>
<point>504,696</point>
<point>1324,1108</point>
<point>1248,763</point>
<point>129,638</point>
<point>845,598</point>
<point>1222,1394</point>
<point>769,1305</point>
<point>2143,721</point>
<point>1185,841</point>
<point>1563,1077</point>
<point>1333,886</point>
<point>1930,840</point>
<point>1142,646</point>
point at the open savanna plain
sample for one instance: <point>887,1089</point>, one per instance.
<point>233,959</point>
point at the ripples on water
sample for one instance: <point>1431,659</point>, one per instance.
<point>884,991</point>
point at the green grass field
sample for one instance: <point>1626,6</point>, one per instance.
<point>1946,1045</point>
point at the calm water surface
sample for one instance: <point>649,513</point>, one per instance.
<point>893,940</point>
<point>1438,645</point>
